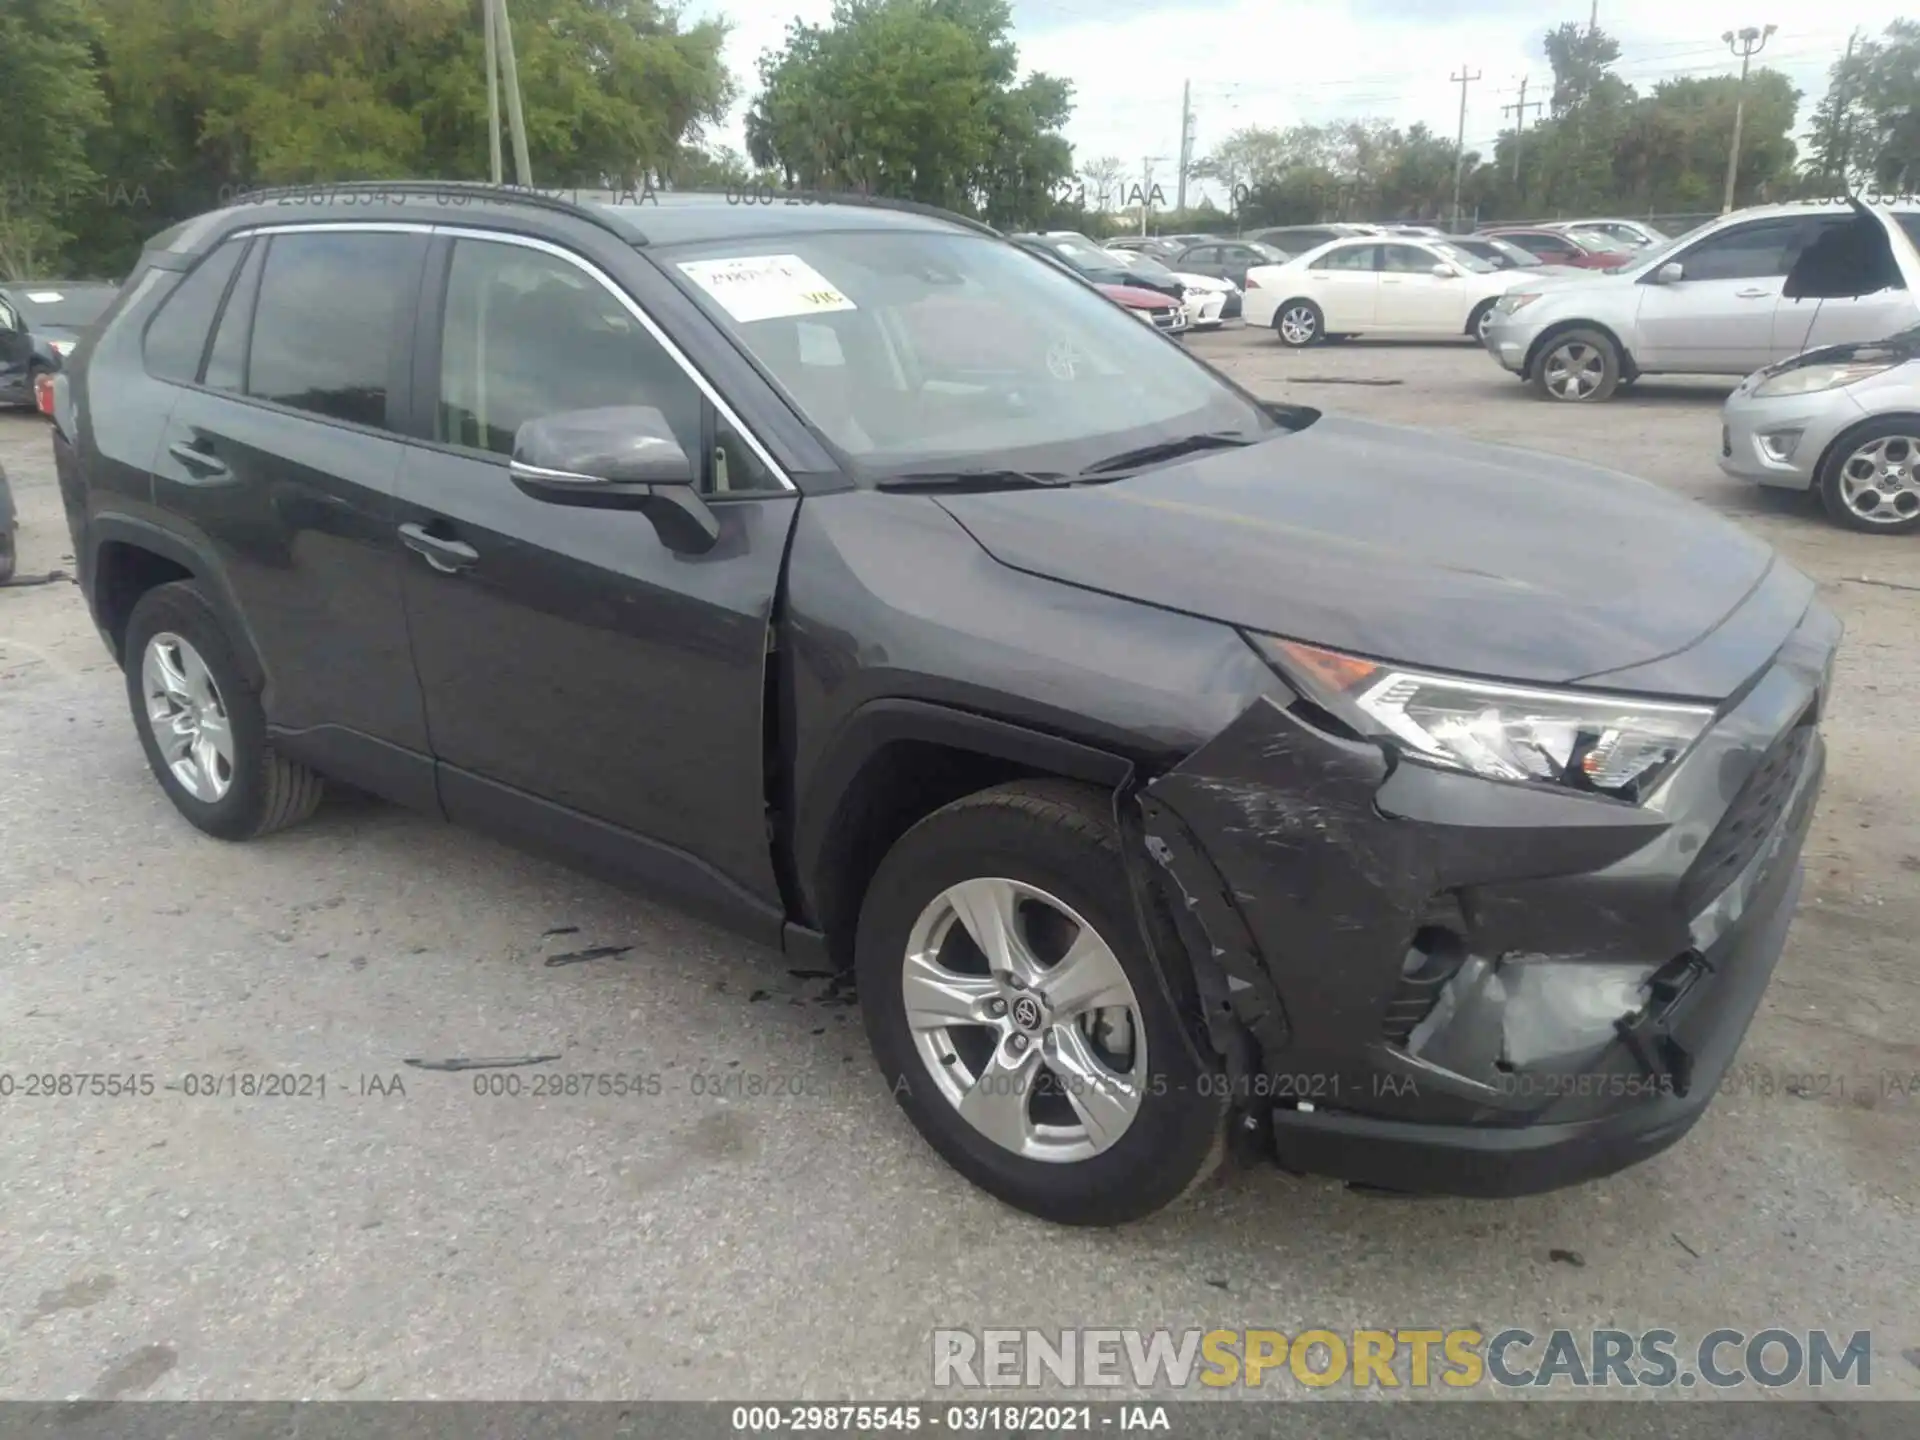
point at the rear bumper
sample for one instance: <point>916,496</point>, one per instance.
<point>1457,986</point>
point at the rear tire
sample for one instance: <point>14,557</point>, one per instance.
<point>1039,861</point>
<point>1299,323</point>
<point>202,724</point>
<point>1477,321</point>
<point>1576,367</point>
<point>6,556</point>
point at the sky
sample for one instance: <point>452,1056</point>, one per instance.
<point>1279,62</point>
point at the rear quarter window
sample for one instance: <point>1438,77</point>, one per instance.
<point>176,337</point>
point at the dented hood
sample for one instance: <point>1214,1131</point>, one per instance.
<point>1404,545</point>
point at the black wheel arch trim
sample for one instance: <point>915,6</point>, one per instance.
<point>104,530</point>
<point>879,723</point>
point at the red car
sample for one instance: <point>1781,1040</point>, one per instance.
<point>1156,309</point>
<point>1584,248</point>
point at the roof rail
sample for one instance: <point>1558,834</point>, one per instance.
<point>852,198</point>
<point>566,199</point>
<point>550,198</point>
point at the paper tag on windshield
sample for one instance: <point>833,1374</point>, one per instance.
<point>766,287</point>
<point>45,297</point>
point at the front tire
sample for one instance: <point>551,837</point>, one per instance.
<point>202,724</point>
<point>1870,479</point>
<point>1577,366</point>
<point>1478,321</point>
<point>1018,1018</point>
<point>1299,323</point>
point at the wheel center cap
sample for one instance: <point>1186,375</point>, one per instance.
<point>1027,1014</point>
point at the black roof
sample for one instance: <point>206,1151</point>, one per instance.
<point>651,217</point>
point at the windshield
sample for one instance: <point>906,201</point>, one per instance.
<point>1466,260</point>
<point>910,351</point>
<point>72,307</point>
<point>1597,240</point>
<point>1272,254</point>
<point>1145,265</point>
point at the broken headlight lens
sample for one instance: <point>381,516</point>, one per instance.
<point>1614,745</point>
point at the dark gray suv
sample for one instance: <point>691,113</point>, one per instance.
<point>1160,762</point>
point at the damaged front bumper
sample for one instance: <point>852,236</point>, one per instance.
<point>1447,984</point>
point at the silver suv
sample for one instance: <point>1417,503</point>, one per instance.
<point>1708,303</point>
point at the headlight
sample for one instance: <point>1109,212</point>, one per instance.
<point>1809,379</point>
<point>1510,302</point>
<point>1613,745</point>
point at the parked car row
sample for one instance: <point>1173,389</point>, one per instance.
<point>40,323</point>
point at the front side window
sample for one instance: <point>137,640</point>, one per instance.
<point>527,334</point>
<point>1743,252</point>
<point>918,350</point>
<point>323,325</point>
<point>1407,260</point>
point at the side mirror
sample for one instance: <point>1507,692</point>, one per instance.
<point>1444,272</point>
<point>622,457</point>
<point>1670,272</point>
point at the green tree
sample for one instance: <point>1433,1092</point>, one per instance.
<point>1879,89</point>
<point>55,107</point>
<point>207,97</point>
<point>917,100</point>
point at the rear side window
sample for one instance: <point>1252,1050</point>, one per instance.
<point>323,326</point>
<point>177,335</point>
<point>1349,257</point>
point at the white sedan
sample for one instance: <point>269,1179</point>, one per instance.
<point>1375,285</point>
<point>1206,299</point>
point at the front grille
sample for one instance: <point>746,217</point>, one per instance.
<point>1166,319</point>
<point>1750,819</point>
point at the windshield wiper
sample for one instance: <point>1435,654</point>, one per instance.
<point>973,480</point>
<point>1168,450</point>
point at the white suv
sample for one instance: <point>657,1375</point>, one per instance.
<point>1708,303</point>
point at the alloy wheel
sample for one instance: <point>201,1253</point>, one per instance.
<point>1574,370</point>
<point>188,717</point>
<point>1025,1020</point>
<point>1298,325</point>
<point>1878,482</point>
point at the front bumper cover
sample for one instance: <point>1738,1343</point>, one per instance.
<point>1753,433</point>
<point>1454,985</point>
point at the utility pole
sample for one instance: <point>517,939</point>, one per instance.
<point>1746,44</point>
<point>494,169</point>
<point>1146,188</point>
<point>1520,108</point>
<point>1463,79</point>
<point>1186,142</point>
<point>510,74</point>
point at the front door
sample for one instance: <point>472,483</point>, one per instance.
<point>587,687</point>
<point>1414,299</point>
<point>1717,319</point>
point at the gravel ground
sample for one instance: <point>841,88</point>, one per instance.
<point>407,1236</point>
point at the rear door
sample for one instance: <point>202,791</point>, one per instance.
<point>281,453</point>
<point>1718,317</point>
<point>1345,284</point>
<point>587,686</point>
<point>1854,281</point>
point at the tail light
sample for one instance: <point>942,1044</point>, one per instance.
<point>43,393</point>
<point>1252,284</point>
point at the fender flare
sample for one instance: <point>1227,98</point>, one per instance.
<point>107,529</point>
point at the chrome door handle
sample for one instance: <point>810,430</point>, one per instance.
<point>1752,294</point>
<point>449,557</point>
